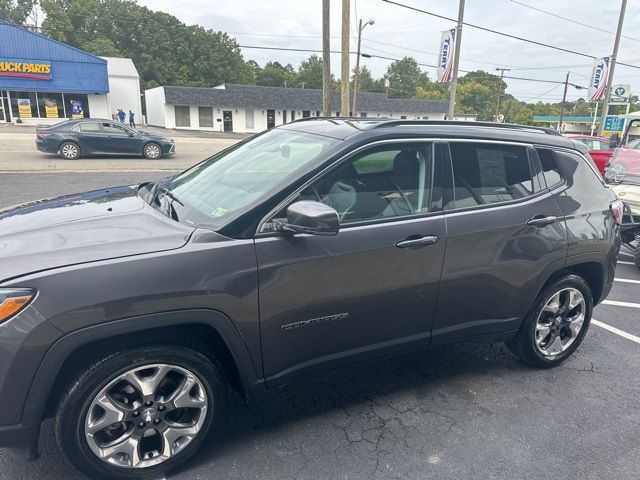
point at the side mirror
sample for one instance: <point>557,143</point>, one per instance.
<point>311,217</point>
<point>131,134</point>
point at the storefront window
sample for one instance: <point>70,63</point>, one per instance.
<point>77,105</point>
<point>50,105</point>
<point>24,104</point>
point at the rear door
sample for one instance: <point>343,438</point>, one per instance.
<point>370,290</point>
<point>505,229</point>
<point>91,137</point>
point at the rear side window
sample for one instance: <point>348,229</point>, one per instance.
<point>485,173</point>
<point>90,127</point>
<point>550,167</point>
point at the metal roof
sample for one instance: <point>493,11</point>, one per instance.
<point>121,67</point>
<point>18,42</point>
<point>252,96</point>
<point>566,118</point>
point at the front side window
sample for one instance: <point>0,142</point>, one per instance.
<point>382,182</point>
<point>486,173</point>
<point>114,129</point>
<point>225,184</point>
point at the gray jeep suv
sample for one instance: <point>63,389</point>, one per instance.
<point>127,313</point>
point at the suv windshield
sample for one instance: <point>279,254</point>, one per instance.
<point>235,178</point>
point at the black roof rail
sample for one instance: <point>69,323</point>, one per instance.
<point>514,126</point>
<point>383,122</point>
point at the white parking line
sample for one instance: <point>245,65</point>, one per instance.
<point>626,280</point>
<point>621,304</point>
<point>615,330</point>
<point>620,262</point>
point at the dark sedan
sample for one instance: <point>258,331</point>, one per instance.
<point>74,138</point>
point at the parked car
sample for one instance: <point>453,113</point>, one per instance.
<point>599,149</point>
<point>128,313</point>
<point>72,139</point>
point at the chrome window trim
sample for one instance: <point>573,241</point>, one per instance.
<point>265,219</point>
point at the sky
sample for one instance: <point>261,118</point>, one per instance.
<point>398,32</point>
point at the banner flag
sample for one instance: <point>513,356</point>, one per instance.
<point>445,59</point>
<point>598,79</point>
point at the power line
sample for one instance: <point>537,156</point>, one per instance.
<point>368,55</point>
<point>572,20</point>
<point>508,35</point>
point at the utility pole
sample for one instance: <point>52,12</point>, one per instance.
<point>564,99</point>
<point>345,73</point>
<point>326,60</point>
<point>456,57</point>
<point>614,55</point>
<point>356,76</point>
<point>502,70</point>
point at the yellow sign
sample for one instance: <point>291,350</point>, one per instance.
<point>51,108</point>
<point>24,107</point>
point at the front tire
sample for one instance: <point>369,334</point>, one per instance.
<point>137,413</point>
<point>152,151</point>
<point>556,324</point>
<point>69,151</point>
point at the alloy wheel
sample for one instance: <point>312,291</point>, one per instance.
<point>152,151</point>
<point>70,151</point>
<point>146,416</point>
<point>560,322</point>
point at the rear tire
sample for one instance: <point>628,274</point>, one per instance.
<point>69,150</point>
<point>556,324</point>
<point>166,427</point>
<point>152,151</point>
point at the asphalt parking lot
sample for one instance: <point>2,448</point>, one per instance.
<point>463,411</point>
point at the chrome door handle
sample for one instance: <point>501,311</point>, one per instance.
<point>417,242</point>
<point>542,221</point>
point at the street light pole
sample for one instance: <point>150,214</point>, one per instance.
<point>356,76</point>
<point>614,55</point>
<point>456,57</point>
<point>502,70</point>
<point>344,75</point>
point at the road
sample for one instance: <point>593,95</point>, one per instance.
<point>462,411</point>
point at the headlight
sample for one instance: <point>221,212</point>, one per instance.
<point>13,300</point>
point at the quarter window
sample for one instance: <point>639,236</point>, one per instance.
<point>382,182</point>
<point>487,173</point>
<point>550,167</point>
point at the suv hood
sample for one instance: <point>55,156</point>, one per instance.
<point>86,227</point>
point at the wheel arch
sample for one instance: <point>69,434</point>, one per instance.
<point>592,268</point>
<point>213,332</point>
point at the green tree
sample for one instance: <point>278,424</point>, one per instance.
<point>433,91</point>
<point>366,81</point>
<point>164,50</point>
<point>276,75</point>
<point>524,116</point>
<point>404,77</point>
<point>310,73</point>
<point>16,11</point>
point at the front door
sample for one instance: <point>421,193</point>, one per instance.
<point>370,290</point>
<point>271,118</point>
<point>284,117</point>
<point>121,140</point>
<point>227,120</point>
<point>502,236</point>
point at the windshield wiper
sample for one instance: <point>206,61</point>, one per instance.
<point>167,193</point>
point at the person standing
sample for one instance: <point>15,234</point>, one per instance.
<point>132,119</point>
<point>121,115</point>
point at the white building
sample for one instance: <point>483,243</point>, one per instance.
<point>124,88</point>
<point>250,108</point>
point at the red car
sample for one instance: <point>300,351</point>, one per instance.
<point>599,149</point>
